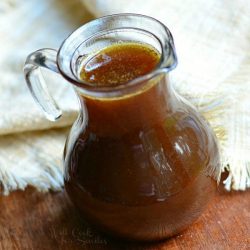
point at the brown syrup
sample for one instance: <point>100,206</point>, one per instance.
<point>137,167</point>
<point>119,63</point>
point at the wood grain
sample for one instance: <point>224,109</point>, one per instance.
<point>33,220</point>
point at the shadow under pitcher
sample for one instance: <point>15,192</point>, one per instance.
<point>140,162</point>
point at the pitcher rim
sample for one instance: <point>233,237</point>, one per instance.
<point>95,88</point>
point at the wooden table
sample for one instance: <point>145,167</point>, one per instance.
<point>33,220</point>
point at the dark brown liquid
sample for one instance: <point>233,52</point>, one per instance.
<point>120,63</point>
<point>138,166</point>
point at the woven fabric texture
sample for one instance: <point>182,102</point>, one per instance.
<point>213,46</point>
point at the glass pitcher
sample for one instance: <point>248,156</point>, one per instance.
<point>140,162</point>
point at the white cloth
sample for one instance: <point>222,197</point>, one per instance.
<point>33,158</point>
<point>212,41</point>
<point>213,47</point>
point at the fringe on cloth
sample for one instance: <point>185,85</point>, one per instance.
<point>228,111</point>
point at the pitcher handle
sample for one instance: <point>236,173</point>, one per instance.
<point>45,58</point>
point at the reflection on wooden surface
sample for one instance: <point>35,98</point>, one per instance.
<point>32,220</point>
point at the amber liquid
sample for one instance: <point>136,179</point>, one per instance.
<point>138,166</point>
<point>120,63</point>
